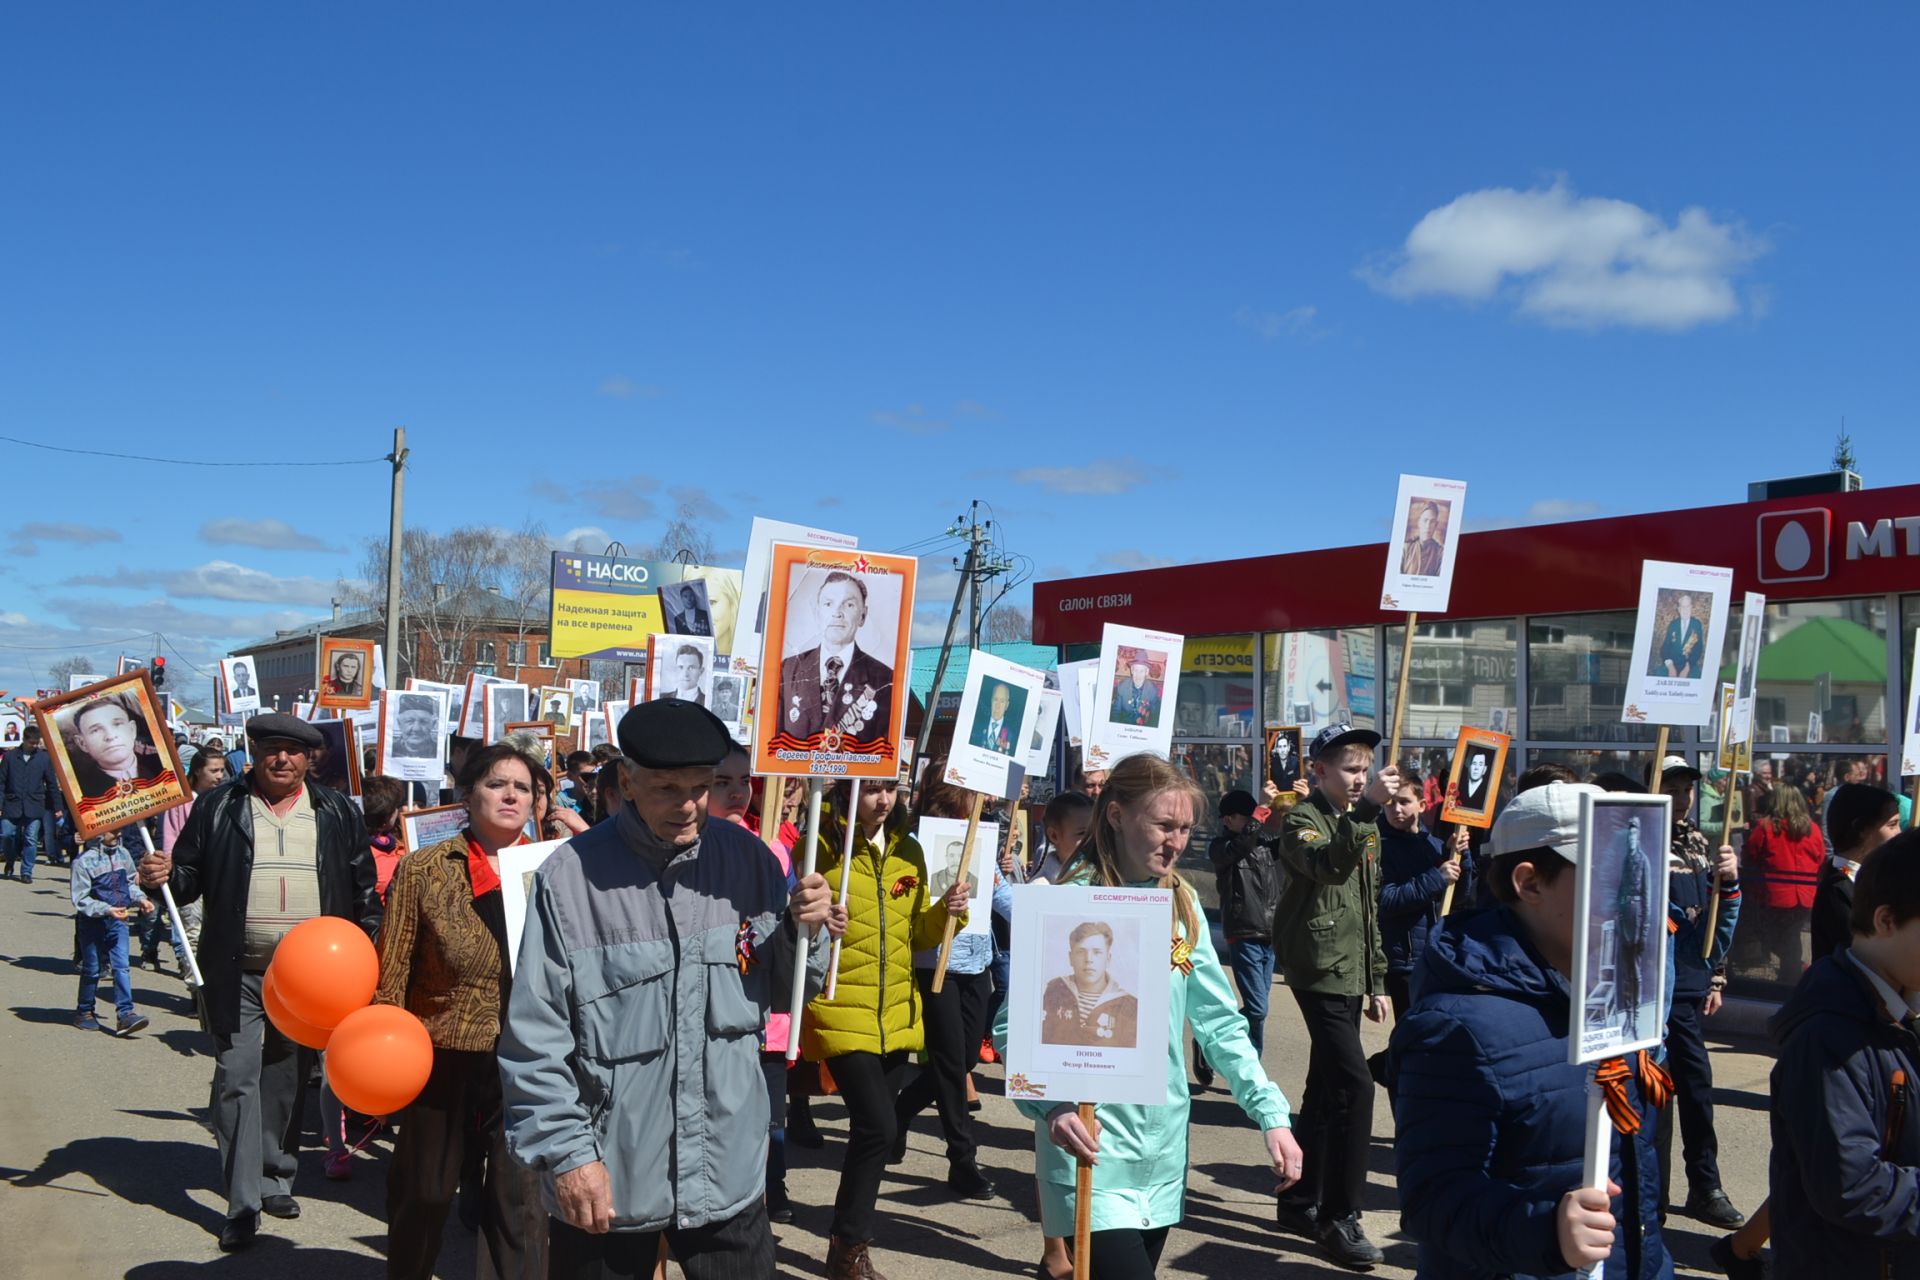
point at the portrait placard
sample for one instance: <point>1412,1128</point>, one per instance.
<point>637,685</point>
<point>593,730</point>
<point>504,704</point>
<point>424,828</point>
<point>1473,785</point>
<point>1137,688</point>
<point>730,699</point>
<point>840,621</point>
<point>556,707</point>
<point>1910,749</point>
<point>13,726</point>
<point>995,721</point>
<point>1286,762</point>
<point>518,863</point>
<point>535,737</point>
<point>944,840</point>
<point>344,681</point>
<point>1620,926</point>
<point>683,605</point>
<point>452,697</point>
<point>111,751</point>
<point>1038,758</point>
<point>586,698</point>
<point>681,667</point>
<point>1087,1003</point>
<point>412,735</point>
<point>1746,670</point>
<point>615,711</point>
<point>303,711</point>
<point>473,705</point>
<point>126,663</point>
<point>366,726</point>
<point>1076,681</point>
<point>749,631</point>
<point>1428,516</point>
<point>337,762</point>
<point>239,685</point>
<point>1816,727</point>
<point>1673,672</point>
<point>78,680</point>
<point>1783,733</point>
<point>1730,755</point>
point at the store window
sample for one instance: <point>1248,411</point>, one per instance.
<point>1589,764</point>
<point>1823,674</point>
<point>1462,673</point>
<point>1313,677</point>
<point>1216,688</point>
<point>1219,767</point>
<point>1577,678</point>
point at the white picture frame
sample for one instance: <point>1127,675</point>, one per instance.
<point>452,695</point>
<point>1038,757</point>
<point>13,729</point>
<point>1910,746</point>
<point>670,657</point>
<point>972,762</point>
<point>1746,667</point>
<point>410,748</point>
<point>1074,702</point>
<point>586,699</point>
<point>504,702</point>
<point>732,693</point>
<point>473,707</point>
<point>941,840</point>
<point>518,865</point>
<point>1429,515</point>
<point>1132,711</point>
<point>615,711</point>
<point>1620,906</point>
<point>237,674</point>
<point>1673,675</point>
<point>1111,1053</point>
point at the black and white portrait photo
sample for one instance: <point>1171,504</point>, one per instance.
<point>240,689</point>
<point>416,734</point>
<point>729,695</point>
<point>684,606</point>
<point>1622,897</point>
<point>505,704</point>
<point>1283,757</point>
<point>1092,999</point>
<point>586,698</point>
<point>683,668</point>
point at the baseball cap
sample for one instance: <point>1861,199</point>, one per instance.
<point>1339,735</point>
<point>1544,818</point>
<point>1677,765</point>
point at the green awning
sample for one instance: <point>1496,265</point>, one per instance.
<point>1835,647</point>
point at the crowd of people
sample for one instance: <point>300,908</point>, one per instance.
<point>618,1093</point>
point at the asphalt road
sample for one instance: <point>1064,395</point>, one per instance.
<point>112,1172</point>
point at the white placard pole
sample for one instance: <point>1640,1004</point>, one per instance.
<point>846,870</point>
<point>796,1005</point>
<point>1599,1150</point>
<point>173,917</point>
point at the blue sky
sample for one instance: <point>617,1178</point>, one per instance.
<point>1160,284</point>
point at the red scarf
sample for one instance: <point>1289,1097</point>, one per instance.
<point>479,870</point>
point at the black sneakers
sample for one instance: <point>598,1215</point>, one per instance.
<point>1348,1245</point>
<point>1298,1219</point>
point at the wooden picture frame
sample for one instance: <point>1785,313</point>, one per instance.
<point>98,800</point>
<point>333,690</point>
<point>541,731</point>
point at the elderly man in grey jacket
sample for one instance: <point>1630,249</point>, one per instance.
<point>655,945</point>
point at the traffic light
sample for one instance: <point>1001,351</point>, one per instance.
<point>159,672</point>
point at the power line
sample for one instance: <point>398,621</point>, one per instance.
<point>183,462</point>
<point>72,648</point>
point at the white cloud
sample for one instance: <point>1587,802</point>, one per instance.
<point>1574,261</point>
<point>588,537</point>
<point>621,387</point>
<point>1296,322</point>
<point>27,537</point>
<point>1108,476</point>
<point>218,580</point>
<point>272,535</point>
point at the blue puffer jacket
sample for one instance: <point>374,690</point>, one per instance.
<point>1846,1132</point>
<point>1489,1115</point>
<point>1411,890</point>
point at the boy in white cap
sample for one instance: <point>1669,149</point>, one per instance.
<point>1489,1114</point>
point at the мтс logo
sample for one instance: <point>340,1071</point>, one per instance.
<point>1795,546</point>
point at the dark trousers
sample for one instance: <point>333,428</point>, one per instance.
<point>1692,1072</point>
<point>259,1088</point>
<point>773,1066</point>
<point>1336,1108</point>
<point>459,1107</point>
<point>1399,994</point>
<point>955,1020</point>
<point>868,1084</point>
<point>740,1248</point>
<point>1125,1254</point>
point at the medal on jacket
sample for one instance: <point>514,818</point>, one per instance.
<point>904,886</point>
<point>1183,955</point>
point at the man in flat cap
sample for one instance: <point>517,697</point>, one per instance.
<point>265,851</point>
<point>655,945</point>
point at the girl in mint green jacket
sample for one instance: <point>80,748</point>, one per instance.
<point>1144,820</point>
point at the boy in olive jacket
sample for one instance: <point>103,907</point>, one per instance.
<point>1327,936</point>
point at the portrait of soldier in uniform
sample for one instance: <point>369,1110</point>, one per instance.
<point>1424,548</point>
<point>686,609</point>
<point>835,684</point>
<point>1633,907</point>
<point>1136,696</point>
<point>1090,1005</point>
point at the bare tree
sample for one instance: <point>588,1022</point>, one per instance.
<point>526,578</point>
<point>445,579</point>
<point>1007,624</point>
<point>77,665</point>
<point>684,538</point>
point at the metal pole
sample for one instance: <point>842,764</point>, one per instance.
<point>399,460</point>
<point>973,580</point>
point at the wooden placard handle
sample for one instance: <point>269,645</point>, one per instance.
<point>1400,690</point>
<point>960,877</point>
<point>1083,1203</point>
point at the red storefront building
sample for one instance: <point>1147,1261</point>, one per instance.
<point>1536,642</point>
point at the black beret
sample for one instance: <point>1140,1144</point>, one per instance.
<point>278,724</point>
<point>670,733</point>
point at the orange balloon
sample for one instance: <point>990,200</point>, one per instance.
<point>378,1059</point>
<point>325,968</point>
<point>289,1026</point>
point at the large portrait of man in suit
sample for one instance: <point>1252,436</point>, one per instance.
<point>835,684</point>
<point>1679,617</point>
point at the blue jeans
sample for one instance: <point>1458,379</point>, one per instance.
<point>1253,969</point>
<point>22,836</point>
<point>151,926</point>
<point>104,939</point>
